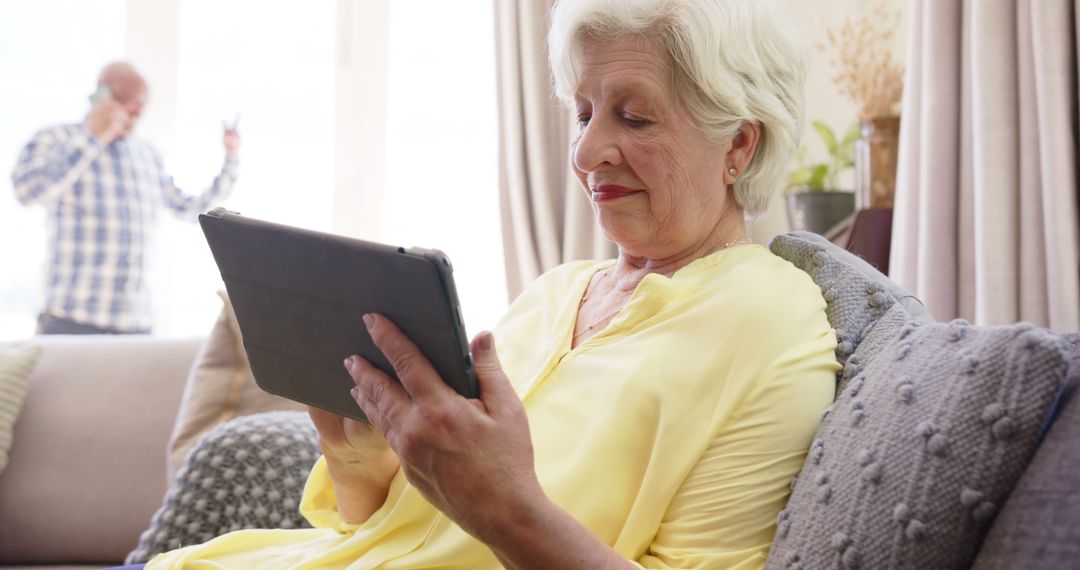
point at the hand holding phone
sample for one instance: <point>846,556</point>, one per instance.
<point>108,120</point>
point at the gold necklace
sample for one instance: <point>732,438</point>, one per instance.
<point>735,243</point>
<point>609,316</point>
<point>596,324</point>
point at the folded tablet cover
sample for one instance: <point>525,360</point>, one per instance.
<point>299,296</point>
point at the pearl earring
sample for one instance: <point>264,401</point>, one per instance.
<point>732,171</point>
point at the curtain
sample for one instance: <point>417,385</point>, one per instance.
<point>546,218</point>
<point>985,215</point>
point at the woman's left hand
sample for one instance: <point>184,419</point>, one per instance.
<point>472,459</point>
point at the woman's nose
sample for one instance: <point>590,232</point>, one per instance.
<point>596,147</point>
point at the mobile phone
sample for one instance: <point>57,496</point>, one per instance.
<point>103,92</point>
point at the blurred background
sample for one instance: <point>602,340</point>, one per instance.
<point>374,119</point>
<point>280,66</point>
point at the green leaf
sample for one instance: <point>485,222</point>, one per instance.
<point>827,136</point>
<point>846,150</point>
<point>800,177</point>
<point>825,175</point>
<point>817,179</point>
<point>852,134</point>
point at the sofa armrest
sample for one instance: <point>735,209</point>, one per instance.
<point>87,466</point>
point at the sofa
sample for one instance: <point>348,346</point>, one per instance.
<point>87,471</point>
<point>87,466</point>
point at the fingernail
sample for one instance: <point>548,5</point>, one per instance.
<point>369,322</point>
<point>349,364</point>
<point>485,341</point>
<point>355,393</point>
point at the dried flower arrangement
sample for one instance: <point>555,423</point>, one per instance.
<point>866,71</point>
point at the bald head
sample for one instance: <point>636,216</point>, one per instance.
<point>128,87</point>
<point>121,74</point>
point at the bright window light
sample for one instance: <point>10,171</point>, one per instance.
<point>281,85</point>
<point>46,83</point>
<point>273,63</point>
<point>442,146</point>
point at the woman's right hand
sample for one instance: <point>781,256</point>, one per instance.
<point>360,462</point>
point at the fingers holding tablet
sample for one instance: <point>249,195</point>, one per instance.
<point>417,375</point>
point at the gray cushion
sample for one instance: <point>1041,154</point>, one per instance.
<point>246,473</point>
<point>1039,527</point>
<point>856,294</point>
<point>921,447</point>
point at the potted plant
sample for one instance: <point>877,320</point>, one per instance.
<point>815,202</point>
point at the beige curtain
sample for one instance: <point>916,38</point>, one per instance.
<point>985,218</point>
<point>546,218</point>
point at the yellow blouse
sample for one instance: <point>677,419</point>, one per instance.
<point>672,434</point>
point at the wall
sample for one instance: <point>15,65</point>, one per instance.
<point>823,101</point>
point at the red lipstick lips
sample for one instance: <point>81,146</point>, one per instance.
<point>608,192</point>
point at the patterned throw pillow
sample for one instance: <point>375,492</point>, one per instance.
<point>856,294</point>
<point>246,473</point>
<point>934,426</point>
<point>15,370</point>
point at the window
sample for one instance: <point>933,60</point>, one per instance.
<point>233,59</point>
<point>274,64</point>
<point>46,82</point>
<point>442,146</point>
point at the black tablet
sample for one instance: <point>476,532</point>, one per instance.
<point>299,296</point>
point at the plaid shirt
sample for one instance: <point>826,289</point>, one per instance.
<point>101,203</point>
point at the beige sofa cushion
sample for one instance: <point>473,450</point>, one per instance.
<point>219,388</point>
<point>15,368</point>
<point>86,474</point>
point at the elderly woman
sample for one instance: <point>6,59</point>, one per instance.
<point>646,412</point>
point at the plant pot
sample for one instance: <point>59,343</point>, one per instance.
<point>819,210</point>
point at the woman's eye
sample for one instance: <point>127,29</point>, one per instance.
<point>583,119</point>
<point>635,122</point>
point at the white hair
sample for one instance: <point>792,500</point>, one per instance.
<point>735,61</point>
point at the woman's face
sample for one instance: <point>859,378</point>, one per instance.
<point>654,178</point>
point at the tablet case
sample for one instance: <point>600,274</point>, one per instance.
<point>299,296</point>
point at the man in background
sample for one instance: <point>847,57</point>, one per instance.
<point>102,188</point>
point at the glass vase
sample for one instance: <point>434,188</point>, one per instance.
<point>875,162</point>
